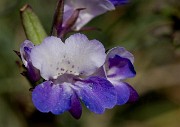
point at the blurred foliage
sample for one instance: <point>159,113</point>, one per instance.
<point>32,25</point>
<point>149,29</point>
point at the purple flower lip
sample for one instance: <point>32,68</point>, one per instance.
<point>95,92</point>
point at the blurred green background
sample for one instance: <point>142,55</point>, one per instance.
<point>150,29</point>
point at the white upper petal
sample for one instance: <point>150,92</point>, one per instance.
<point>85,55</point>
<point>77,56</point>
<point>93,9</point>
<point>47,57</point>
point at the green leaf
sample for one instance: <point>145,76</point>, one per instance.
<point>32,25</point>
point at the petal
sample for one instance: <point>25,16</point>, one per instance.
<point>76,109</point>
<point>120,68</point>
<point>86,56</point>
<point>48,97</point>
<point>33,73</point>
<point>123,92</point>
<point>68,11</point>
<point>97,94</point>
<point>118,2</point>
<point>133,94</point>
<point>122,52</point>
<point>77,56</point>
<point>48,56</point>
<point>93,9</point>
<point>25,50</point>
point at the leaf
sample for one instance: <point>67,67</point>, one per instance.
<point>32,25</point>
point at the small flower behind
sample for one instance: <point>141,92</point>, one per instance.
<point>73,15</point>
<point>91,9</point>
<point>118,67</point>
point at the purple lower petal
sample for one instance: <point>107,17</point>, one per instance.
<point>120,68</point>
<point>41,97</point>
<point>123,93</point>
<point>97,94</point>
<point>76,109</point>
<point>48,97</point>
<point>133,94</point>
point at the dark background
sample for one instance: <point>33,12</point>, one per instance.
<point>150,29</point>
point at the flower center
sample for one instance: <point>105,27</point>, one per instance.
<point>68,78</point>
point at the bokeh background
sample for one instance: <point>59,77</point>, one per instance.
<point>150,29</point>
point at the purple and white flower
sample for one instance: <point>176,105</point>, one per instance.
<point>32,73</point>
<point>68,70</point>
<point>78,69</point>
<point>117,68</point>
<point>92,9</point>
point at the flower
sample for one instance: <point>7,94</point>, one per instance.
<point>118,67</point>
<point>92,9</point>
<point>68,70</point>
<point>32,73</point>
